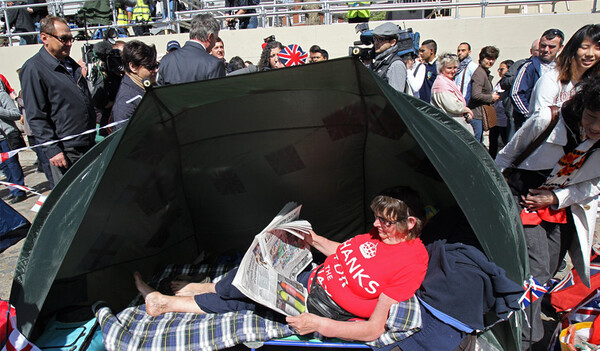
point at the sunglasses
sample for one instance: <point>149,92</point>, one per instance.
<point>384,221</point>
<point>152,67</point>
<point>65,39</point>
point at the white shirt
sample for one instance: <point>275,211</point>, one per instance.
<point>550,91</point>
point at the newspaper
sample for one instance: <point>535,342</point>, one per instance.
<point>268,271</point>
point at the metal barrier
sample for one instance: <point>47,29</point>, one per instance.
<point>270,13</point>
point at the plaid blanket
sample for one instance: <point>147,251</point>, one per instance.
<point>132,329</point>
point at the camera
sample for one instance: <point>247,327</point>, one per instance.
<point>269,39</point>
<point>407,43</point>
<point>104,71</point>
<point>231,24</point>
<point>363,48</point>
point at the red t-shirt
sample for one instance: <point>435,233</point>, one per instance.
<point>5,81</point>
<point>364,267</point>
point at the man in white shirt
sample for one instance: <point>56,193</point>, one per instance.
<point>465,70</point>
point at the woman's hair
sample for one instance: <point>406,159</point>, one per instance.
<point>489,52</point>
<point>586,97</point>
<point>568,53</point>
<point>508,63</point>
<point>138,54</point>
<point>398,204</point>
<point>266,54</point>
<point>447,59</point>
<point>235,63</point>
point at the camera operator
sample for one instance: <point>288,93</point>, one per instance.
<point>245,22</point>
<point>104,74</point>
<point>388,65</point>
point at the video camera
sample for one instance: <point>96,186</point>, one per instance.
<point>407,43</point>
<point>104,71</point>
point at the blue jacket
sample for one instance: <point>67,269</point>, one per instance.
<point>528,75</point>
<point>462,283</point>
<point>191,63</point>
<point>431,72</point>
<point>127,100</point>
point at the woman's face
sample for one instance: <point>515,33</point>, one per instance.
<point>587,55</point>
<point>390,232</point>
<point>487,62</point>
<point>502,69</point>
<point>449,70</point>
<point>274,59</point>
<point>590,120</point>
<point>145,72</point>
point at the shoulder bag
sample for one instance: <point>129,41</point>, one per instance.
<point>535,144</point>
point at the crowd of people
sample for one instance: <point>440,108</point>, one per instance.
<point>557,185</point>
<point>549,162</point>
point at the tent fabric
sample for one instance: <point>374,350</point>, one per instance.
<point>13,226</point>
<point>202,167</point>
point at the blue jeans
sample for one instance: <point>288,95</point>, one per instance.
<point>12,170</point>
<point>253,22</point>
<point>477,125</point>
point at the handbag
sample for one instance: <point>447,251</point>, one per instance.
<point>535,144</point>
<point>489,117</point>
<point>15,140</point>
<point>321,304</point>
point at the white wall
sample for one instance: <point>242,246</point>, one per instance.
<point>512,34</point>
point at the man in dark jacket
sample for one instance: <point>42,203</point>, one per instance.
<point>20,19</point>
<point>193,61</point>
<point>57,99</point>
<point>551,43</point>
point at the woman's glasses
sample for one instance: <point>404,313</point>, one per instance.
<point>385,222</point>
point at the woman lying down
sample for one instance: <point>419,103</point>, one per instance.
<point>361,278</point>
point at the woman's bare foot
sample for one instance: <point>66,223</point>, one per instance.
<point>156,303</point>
<point>185,288</point>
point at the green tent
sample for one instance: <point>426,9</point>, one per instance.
<point>203,167</point>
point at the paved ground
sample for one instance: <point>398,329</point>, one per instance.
<point>37,181</point>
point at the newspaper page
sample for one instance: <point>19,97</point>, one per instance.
<point>268,271</point>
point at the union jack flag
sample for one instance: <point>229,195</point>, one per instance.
<point>292,55</point>
<point>569,279</point>
<point>533,291</point>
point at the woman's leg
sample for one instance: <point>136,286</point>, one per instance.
<point>157,303</point>
<point>494,131</point>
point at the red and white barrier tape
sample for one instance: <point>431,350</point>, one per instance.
<point>20,187</point>
<point>6,155</point>
<point>38,203</point>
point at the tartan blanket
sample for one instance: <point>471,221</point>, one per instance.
<point>133,329</point>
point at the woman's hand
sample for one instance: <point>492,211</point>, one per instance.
<point>305,323</point>
<point>325,246</point>
<point>537,199</point>
<point>311,238</point>
<point>468,114</point>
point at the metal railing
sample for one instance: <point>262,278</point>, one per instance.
<point>271,13</point>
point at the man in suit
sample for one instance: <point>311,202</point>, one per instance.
<point>193,61</point>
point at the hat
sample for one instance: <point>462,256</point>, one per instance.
<point>386,30</point>
<point>173,45</point>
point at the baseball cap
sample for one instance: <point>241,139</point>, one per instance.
<point>173,45</point>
